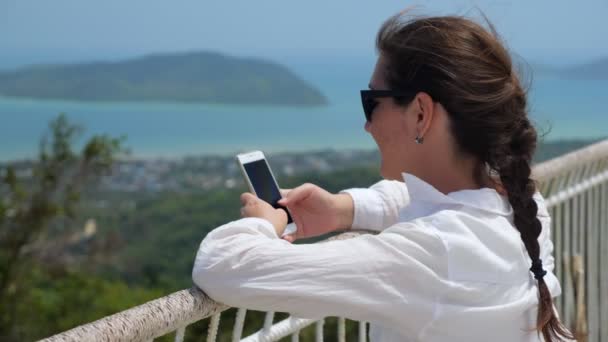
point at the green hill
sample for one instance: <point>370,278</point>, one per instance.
<point>596,70</point>
<point>204,77</point>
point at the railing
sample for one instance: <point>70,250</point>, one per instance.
<point>575,187</point>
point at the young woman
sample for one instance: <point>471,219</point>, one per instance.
<point>463,251</point>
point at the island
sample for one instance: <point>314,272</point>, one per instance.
<point>593,70</point>
<point>199,77</point>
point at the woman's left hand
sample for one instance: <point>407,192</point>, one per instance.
<point>255,207</point>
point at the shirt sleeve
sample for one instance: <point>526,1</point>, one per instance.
<point>546,244</point>
<point>389,278</point>
<point>378,207</point>
<point>544,238</point>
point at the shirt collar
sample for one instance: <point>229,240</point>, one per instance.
<point>485,199</point>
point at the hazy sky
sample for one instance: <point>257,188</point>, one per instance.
<point>553,32</point>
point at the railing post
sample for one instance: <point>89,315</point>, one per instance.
<point>319,330</point>
<point>603,302</point>
<point>213,327</point>
<point>593,261</point>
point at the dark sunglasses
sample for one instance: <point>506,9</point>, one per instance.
<point>368,99</point>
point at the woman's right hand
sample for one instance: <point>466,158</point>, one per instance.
<point>316,211</point>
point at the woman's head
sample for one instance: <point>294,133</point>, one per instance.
<point>456,101</point>
<point>453,66</point>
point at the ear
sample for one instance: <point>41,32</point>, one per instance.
<point>425,113</point>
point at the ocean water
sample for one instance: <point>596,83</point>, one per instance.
<point>563,109</point>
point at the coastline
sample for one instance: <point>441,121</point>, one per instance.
<point>561,110</point>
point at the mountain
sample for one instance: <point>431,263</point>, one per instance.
<point>595,70</point>
<point>204,77</point>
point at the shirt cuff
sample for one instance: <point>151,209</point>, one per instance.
<point>368,209</point>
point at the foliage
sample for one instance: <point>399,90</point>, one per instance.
<point>52,303</point>
<point>31,206</point>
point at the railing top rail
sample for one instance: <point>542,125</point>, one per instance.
<point>146,321</point>
<point>556,166</point>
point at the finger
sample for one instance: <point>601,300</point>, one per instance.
<point>284,192</point>
<point>247,197</point>
<point>298,222</point>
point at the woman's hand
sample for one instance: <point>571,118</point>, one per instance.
<point>316,211</point>
<point>255,207</point>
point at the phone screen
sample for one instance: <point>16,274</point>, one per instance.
<point>263,183</point>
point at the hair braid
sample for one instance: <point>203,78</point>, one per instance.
<point>514,170</point>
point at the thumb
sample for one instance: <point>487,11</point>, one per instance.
<point>290,238</point>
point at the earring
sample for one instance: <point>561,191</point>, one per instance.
<point>419,140</point>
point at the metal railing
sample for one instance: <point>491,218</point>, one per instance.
<point>575,187</point>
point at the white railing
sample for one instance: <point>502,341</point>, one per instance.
<point>575,187</point>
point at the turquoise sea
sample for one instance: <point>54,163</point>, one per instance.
<point>564,109</point>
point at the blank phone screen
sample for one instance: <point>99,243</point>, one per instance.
<point>263,183</point>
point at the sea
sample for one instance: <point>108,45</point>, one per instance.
<point>561,109</point>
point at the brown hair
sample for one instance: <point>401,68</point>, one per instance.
<point>466,68</point>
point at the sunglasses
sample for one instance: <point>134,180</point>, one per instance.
<point>368,99</point>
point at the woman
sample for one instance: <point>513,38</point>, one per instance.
<point>463,251</point>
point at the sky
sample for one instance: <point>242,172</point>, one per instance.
<point>554,32</point>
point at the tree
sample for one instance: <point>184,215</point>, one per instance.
<point>42,194</point>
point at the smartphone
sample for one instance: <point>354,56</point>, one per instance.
<point>262,183</point>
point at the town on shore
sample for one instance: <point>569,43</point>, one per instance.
<point>209,172</point>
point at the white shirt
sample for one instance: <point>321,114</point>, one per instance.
<point>443,267</point>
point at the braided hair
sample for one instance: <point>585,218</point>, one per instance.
<point>467,69</point>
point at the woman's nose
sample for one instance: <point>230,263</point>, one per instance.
<point>367,125</point>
